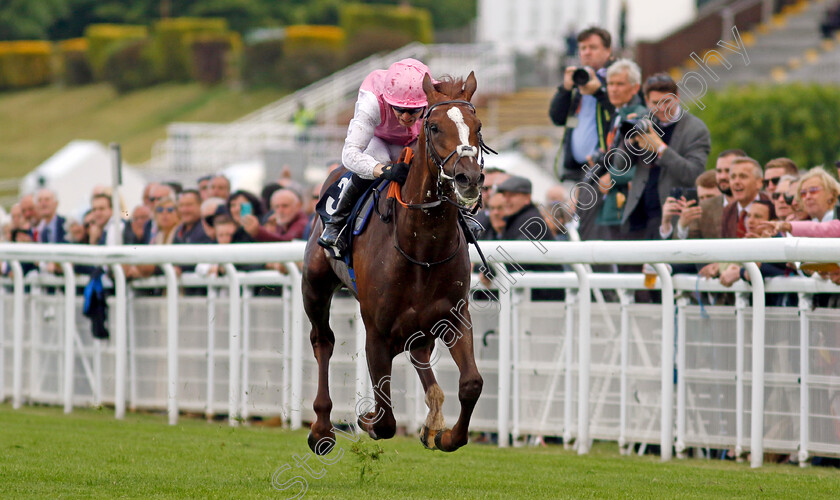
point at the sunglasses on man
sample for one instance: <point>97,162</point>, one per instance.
<point>167,209</point>
<point>774,180</point>
<point>411,111</point>
<point>788,198</point>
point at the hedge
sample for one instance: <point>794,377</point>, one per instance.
<point>131,66</point>
<point>801,122</point>
<point>25,63</point>
<point>306,65</point>
<point>261,63</point>
<point>303,36</point>
<point>213,56</point>
<point>372,41</point>
<point>102,38</point>
<point>173,55</point>
<point>75,67</point>
<point>413,22</point>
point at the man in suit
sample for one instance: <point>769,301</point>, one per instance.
<point>672,152</point>
<point>51,225</point>
<point>746,180</point>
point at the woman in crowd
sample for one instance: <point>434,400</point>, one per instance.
<point>240,203</point>
<point>167,220</point>
<point>818,193</point>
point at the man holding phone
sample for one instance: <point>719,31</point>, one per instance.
<point>695,210</point>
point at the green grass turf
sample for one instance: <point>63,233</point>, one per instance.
<point>38,122</point>
<point>44,453</point>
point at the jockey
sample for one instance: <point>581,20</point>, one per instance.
<point>387,119</point>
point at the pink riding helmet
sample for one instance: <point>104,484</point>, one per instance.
<point>404,84</point>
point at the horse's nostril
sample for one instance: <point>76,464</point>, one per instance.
<point>462,179</point>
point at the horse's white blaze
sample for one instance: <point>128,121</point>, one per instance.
<point>465,149</point>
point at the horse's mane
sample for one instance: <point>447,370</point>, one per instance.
<point>450,86</point>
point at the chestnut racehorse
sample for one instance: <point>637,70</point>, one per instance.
<point>412,273</point>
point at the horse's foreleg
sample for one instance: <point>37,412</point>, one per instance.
<point>322,341</point>
<point>379,423</point>
<point>434,396</point>
<point>469,389</point>
<point>316,301</point>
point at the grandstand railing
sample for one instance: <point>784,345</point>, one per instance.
<point>193,148</point>
<point>747,377</point>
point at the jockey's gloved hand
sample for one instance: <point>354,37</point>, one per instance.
<point>397,172</point>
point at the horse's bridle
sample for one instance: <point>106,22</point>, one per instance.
<point>461,151</point>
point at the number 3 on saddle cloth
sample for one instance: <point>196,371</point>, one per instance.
<point>359,216</point>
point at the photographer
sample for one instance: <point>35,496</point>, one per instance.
<point>671,151</point>
<point>624,79</point>
<point>581,104</point>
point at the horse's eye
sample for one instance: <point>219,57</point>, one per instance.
<point>434,128</point>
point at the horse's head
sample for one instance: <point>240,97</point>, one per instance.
<point>453,136</point>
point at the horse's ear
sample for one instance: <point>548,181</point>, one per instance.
<point>469,87</point>
<point>432,95</point>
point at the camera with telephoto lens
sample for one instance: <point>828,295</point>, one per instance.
<point>632,131</point>
<point>643,125</point>
<point>580,77</point>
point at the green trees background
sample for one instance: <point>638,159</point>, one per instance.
<point>63,19</point>
<point>801,122</point>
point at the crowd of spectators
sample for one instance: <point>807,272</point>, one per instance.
<point>170,214</point>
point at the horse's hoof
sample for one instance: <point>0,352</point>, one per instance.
<point>321,446</point>
<point>425,434</point>
<point>310,440</point>
<point>365,428</point>
<point>438,437</point>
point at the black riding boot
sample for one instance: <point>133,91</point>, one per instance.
<point>331,237</point>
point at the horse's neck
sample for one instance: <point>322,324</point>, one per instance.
<point>421,187</point>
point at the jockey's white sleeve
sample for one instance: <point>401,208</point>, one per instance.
<point>359,134</point>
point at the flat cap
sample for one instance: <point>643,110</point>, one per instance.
<point>515,184</point>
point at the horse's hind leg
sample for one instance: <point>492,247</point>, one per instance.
<point>469,389</point>
<point>434,396</point>
<point>319,283</point>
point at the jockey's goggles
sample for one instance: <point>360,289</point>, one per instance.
<point>411,111</point>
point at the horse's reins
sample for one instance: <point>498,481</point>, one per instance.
<point>462,151</point>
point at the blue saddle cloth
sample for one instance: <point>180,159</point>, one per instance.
<point>359,215</point>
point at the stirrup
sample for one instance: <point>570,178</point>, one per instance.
<point>335,249</point>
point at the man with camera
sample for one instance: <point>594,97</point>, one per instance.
<point>581,104</point>
<point>670,151</point>
<point>624,79</point>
